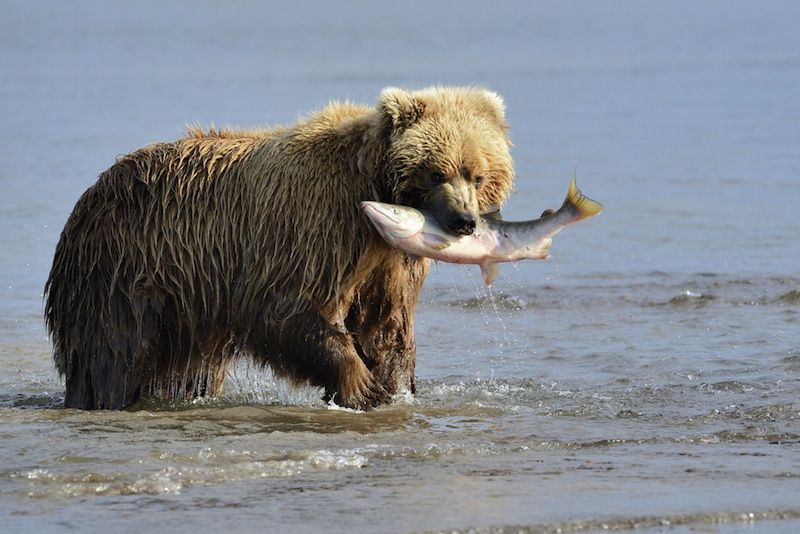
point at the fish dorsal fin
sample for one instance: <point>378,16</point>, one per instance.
<point>489,272</point>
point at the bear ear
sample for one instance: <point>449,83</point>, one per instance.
<point>398,108</point>
<point>496,101</point>
<point>494,107</point>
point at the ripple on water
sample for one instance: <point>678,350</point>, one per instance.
<point>702,522</point>
<point>691,298</point>
<point>792,361</point>
<point>31,401</point>
<point>501,301</point>
<point>791,297</point>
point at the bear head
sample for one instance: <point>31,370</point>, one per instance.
<point>446,151</point>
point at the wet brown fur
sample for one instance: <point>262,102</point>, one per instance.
<point>185,255</point>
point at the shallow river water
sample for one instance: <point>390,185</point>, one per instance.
<point>647,376</point>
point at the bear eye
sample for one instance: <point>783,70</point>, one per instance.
<point>438,177</point>
<point>478,181</point>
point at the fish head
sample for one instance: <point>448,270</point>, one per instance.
<point>392,221</point>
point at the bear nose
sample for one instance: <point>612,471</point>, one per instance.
<point>462,224</point>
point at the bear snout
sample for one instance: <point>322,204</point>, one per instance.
<point>462,224</point>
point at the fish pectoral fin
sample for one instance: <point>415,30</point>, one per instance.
<point>489,272</point>
<point>436,242</point>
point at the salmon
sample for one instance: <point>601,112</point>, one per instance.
<point>492,242</point>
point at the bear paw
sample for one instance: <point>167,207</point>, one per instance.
<point>361,392</point>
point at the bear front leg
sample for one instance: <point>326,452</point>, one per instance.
<point>310,348</point>
<point>382,318</point>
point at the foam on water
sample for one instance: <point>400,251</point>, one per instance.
<point>204,468</point>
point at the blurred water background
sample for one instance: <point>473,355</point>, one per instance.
<point>648,376</point>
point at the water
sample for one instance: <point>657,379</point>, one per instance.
<point>648,377</point>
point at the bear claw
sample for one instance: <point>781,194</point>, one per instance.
<point>369,394</point>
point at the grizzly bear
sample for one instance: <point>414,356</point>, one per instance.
<point>226,244</point>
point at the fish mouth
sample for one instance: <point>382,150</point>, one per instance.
<point>375,211</point>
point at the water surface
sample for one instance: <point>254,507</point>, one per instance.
<point>648,376</point>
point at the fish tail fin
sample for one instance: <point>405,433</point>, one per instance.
<point>584,206</point>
